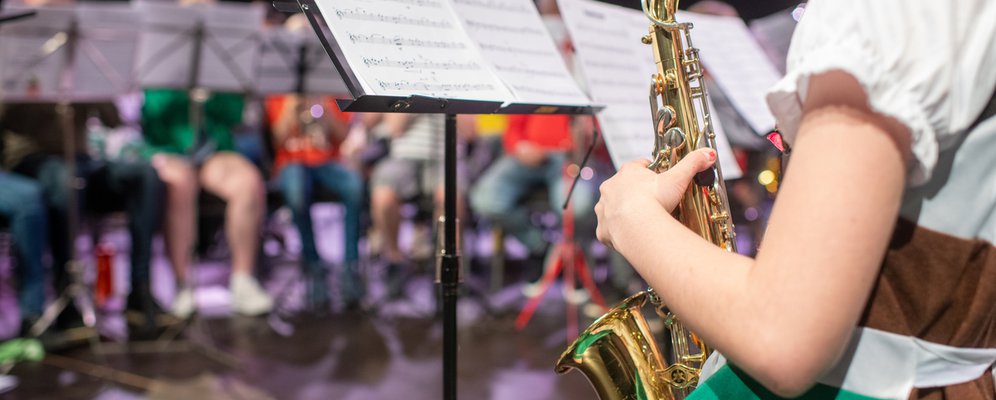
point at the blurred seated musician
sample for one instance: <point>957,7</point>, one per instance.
<point>307,133</point>
<point>187,162</point>
<point>537,149</point>
<point>413,168</point>
<point>33,147</point>
<point>23,208</point>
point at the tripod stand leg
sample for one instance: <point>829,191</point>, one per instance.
<point>549,276</point>
<point>49,316</point>
<point>581,266</point>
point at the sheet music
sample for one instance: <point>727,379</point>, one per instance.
<point>106,50</point>
<point>406,47</point>
<point>617,68</point>
<point>737,64</point>
<point>512,37</point>
<point>33,55</point>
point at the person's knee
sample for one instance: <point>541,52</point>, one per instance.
<point>383,197</point>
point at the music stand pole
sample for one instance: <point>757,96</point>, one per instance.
<point>449,266</point>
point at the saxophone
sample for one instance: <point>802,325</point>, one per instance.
<point>617,353</point>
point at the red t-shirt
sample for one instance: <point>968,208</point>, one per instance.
<point>552,132</point>
<point>306,153</point>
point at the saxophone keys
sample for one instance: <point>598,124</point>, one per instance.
<point>719,217</point>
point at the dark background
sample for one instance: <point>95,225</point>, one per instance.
<point>749,9</point>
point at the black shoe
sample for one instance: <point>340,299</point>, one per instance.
<point>57,339</point>
<point>352,287</point>
<point>397,274</point>
<point>146,319</point>
<point>316,277</point>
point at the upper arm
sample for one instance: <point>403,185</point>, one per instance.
<point>829,229</point>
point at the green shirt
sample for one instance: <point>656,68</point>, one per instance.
<point>732,383</point>
<point>166,121</point>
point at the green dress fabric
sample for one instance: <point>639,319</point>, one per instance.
<point>166,123</point>
<point>730,383</point>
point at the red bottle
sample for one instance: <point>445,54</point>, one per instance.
<point>104,253</point>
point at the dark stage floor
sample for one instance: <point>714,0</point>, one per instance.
<point>390,351</point>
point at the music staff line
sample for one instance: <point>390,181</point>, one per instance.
<point>360,14</point>
<point>419,3</point>
<point>547,92</point>
<point>494,5</point>
<point>530,71</point>
<point>499,28</point>
<point>608,48</point>
<point>434,87</point>
<point>611,66</point>
<point>388,62</point>
<point>603,32</point>
<point>515,50</point>
<point>396,40</point>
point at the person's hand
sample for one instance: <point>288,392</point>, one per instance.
<point>631,192</point>
<point>671,184</point>
<point>529,154</point>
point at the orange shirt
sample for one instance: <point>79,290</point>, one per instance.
<point>306,152</point>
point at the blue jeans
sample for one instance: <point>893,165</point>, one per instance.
<point>297,183</point>
<point>498,192</point>
<point>21,203</point>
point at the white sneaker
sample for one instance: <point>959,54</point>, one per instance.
<point>531,289</point>
<point>578,296</point>
<point>248,297</point>
<point>184,303</point>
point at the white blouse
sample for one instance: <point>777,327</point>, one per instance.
<point>930,65</point>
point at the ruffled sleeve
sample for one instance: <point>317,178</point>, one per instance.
<point>929,65</point>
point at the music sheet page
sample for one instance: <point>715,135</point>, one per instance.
<point>512,37</point>
<point>737,64</point>
<point>617,68</point>
<point>406,47</point>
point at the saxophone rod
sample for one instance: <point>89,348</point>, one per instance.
<point>584,161</point>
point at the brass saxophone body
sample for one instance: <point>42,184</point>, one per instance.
<point>617,353</point>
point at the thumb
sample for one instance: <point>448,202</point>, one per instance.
<point>672,183</point>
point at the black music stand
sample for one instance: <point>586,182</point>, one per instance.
<point>448,273</point>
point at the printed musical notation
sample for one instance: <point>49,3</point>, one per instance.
<point>512,49</point>
<point>513,39</point>
<point>528,71</point>
<point>361,14</point>
<point>419,62</point>
<point>420,3</point>
<point>500,5</point>
<point>403,47</point>
<point>503,28</point>
<point>398,40</point>
<point>404,85</point>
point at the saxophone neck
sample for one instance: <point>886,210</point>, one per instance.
<point>661,12</point>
